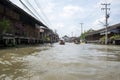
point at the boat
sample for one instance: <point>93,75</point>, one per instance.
<point>62,42</point>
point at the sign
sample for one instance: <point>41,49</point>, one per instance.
<point>41,30</point>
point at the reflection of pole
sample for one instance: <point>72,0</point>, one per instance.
<point>106,20</point>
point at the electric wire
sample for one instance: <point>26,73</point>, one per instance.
<point>42,11</point>
<point>28,9</point>
<point>37,12</point>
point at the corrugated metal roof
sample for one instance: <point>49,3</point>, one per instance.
<point>110,28</point>
<point>21,11</point>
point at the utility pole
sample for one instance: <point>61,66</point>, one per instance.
<point>72,34</point>
<point>81,28</point>
<point>107,15</point>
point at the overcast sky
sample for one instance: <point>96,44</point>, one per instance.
<point>65,16</point>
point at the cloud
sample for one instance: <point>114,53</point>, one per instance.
<point>59,25</point>
<point>70,11</point>
<point>49,8</point>
<point>65,15</point>
<point>99,23</point>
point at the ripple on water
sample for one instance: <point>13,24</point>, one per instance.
<point>68,62</point>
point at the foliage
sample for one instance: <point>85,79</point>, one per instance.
<point>102,39</point>
<point>83,35</point>
<point>47,38</point>
<point>117,36</point>
<point>90,30</point>
<point>4,25</point>
<point>114,37</point>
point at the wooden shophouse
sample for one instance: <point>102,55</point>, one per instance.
<point>17,26</point>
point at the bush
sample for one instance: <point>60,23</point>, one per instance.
<point>102,40</point>
<point>114,37</point>
<point>110,40</point>
<point>4,25</point>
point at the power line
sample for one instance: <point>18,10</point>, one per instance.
<point>38,5</point>
<point>28,8</point>
<point>37,13</point>
<point>107,15</point>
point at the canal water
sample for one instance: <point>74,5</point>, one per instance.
<point>61,62</point>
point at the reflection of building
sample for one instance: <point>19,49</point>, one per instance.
<point>96,35</point>
<point>23,28</point>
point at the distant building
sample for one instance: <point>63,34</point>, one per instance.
<point>94,36</point>
<point>73,39</point>
<point>66,38</point>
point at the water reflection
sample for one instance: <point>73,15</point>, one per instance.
<point>109,53</point>
<point>68,62</point>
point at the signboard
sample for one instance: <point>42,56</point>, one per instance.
<point>41,30</point>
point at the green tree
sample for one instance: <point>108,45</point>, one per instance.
<point>83,35</point>
<point>114,37</point>
<point>4,25</point>
<point>102,40</point>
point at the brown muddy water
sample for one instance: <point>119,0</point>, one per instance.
<point>61,62</point>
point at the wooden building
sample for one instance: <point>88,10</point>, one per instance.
<point>18,26</point>
<point>94,37</point>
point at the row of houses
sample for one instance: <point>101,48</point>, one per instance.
<point>95,36</point>
<point>19,27</point>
